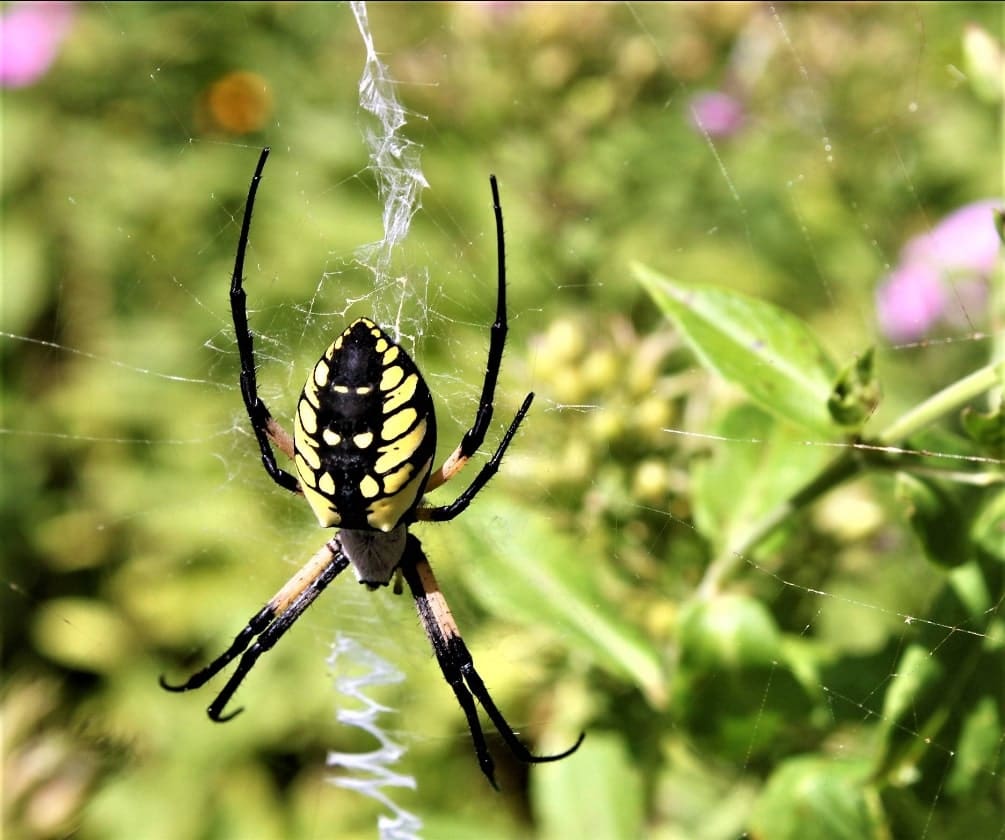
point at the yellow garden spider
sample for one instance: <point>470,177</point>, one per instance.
<point>364,438</point>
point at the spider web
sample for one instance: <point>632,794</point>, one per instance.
<point>307,272</point>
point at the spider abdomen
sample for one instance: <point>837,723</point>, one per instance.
<point>364,433</point>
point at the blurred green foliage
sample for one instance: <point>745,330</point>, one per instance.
<point>838,676</point>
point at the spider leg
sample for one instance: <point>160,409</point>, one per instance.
<point>474,437</point>
<point>265,427</point>
<point>457,665</point>
<point>268,626</point>
<point>447,512</point>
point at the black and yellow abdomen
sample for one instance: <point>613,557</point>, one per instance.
<point>364,433</point>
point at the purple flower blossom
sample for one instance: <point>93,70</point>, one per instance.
<point>911,301</point>
<point>965,240</point>
<point>961,250</point>
<point>716,113</point>
<point>30,35</point>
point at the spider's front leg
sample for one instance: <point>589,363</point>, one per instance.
<point>457,666</point>
<point>262,422</point>
<point>474,436</point>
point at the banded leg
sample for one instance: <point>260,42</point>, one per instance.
<point>445,513</point>
<point>265,427</point>
<point>457,665</point>
<point>474,437</point>
<point>268,626</point>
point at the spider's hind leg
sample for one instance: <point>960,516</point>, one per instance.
<point>267,626</point>
<point>457,665</point>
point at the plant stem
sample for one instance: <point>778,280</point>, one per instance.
<point>946,400</point>
<point>847,465</point>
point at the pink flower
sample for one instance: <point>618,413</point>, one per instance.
<point>910,302</point>
<point>30,35</point>
<point>716,113</point>
<point>965,240</point>
<point>961,250</point>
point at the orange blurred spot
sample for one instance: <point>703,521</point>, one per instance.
<point>239,102</point>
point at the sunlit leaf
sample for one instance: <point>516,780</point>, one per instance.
<point>811,798</point>
<point>988,529</point>
<point>596,793</point>
<point>978,748</point>
<point>763,464</point>
<point>528,571</point>
<point>730,631</point>
<point>769,353</point>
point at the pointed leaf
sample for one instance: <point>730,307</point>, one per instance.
<point>529,571</point>
<point>596,793</point>
<point>769,353</point>
<point>822,798</point>
<point>764,465</point>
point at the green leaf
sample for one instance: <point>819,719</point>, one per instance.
<point>729,631</point>
<point>988,530</point>
<point>988,429</point>
<point>529,571</point>
<point>595,793</point>
<point>769,353</point>
<point>811,798</point>
<point>764,465</point>
<point>978,747</point>
<point>730,650</point>
<point>914,710</point>
<point>938,517</point>
<point>918,673</point>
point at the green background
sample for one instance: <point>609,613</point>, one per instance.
<point>139,531</point>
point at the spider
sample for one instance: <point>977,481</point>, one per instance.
<point>364,438</point>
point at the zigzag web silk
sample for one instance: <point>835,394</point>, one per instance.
<point>394,161</point>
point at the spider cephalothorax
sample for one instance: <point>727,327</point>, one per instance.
<point>363,444</point>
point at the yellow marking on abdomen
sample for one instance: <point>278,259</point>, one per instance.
<point>308,418</point>
<point>323,509</point>
<point>310,457</point>
<point>306,473</point>
<point>394,481</point>
<point>386,513</point>
<point>363,439</point>
<point>400,450</point>
<point>321,373</point>
<point>331,438</point>
<point>397,424</point>
<point>402,394</point>
<point>326,484</point>
<point>391,377</point>
<point>369,487</point>
<point>311,395</point>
